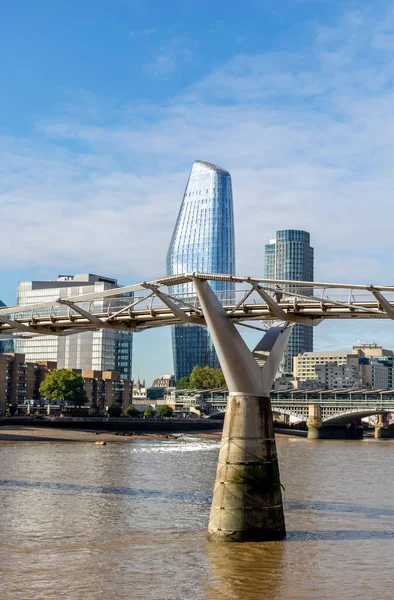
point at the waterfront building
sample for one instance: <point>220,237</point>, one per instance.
<point>203,240</point>
<point>101,350</point>
<point>20,384</point>
<point>305,363</point>
<point>289,256</point>
<point>366,366</point>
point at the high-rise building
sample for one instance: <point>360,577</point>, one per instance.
<point>290,256</point>
<point>101,350</point>
<point>203,240</point>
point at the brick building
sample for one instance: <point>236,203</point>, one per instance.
<point>20,382</point>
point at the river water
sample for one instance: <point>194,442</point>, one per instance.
<point>128,520</point>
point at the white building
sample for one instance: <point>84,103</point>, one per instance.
<point>101,350</point>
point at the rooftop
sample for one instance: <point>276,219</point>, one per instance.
<point>211,167</point>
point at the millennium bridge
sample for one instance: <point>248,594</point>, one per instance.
<point>247,498</point>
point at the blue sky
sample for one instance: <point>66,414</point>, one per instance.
<point>104,105</point>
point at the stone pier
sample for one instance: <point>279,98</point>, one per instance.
<point>317,430</point>
<point>247,499</point>
<point>382,429</point>
<point>314,422</point>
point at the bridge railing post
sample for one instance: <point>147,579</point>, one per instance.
<point>247,499</point>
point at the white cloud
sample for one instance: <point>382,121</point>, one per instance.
<point>308,138</point>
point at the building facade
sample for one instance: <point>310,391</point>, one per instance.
<point>101,350</point>
<point>165,381</point>
<point>290,256</point>
<point>203,240</point>
<point>6,345</point>
<point>20,384</point>
<point>367,366</point>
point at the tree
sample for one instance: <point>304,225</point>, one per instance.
<point>165,411</point>
<point>183,383</point>
<point>149,413</point>
<point>205,378</point>
<point>65,386</point>
<point>114,410</point>
<point>132,411</point>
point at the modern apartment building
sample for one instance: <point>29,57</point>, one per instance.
<point>203,240</point>
<point>290,257</point>
<point>102,350</point>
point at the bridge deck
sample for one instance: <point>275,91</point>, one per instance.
<point>147,305</point>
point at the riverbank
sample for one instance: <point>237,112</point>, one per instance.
<point>30,433</point>
<point>17,433</point>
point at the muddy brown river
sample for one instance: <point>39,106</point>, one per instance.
<point>86,522</point>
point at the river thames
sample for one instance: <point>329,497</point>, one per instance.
<point>128,520</point>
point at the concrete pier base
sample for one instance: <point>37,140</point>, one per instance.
<point>382,428</point>
<point>314,422</point>
<point>335,432</point>
<point>317,430</point>
<point>247,500</point>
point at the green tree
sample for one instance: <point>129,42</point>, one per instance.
<point>132,411</point>
<point>114,410</point>
<point>149,413</point>
<point>165,411</point>
<point>205,378</point>
<point>62,385</point>
<point>183,383</point>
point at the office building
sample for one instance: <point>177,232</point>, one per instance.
<point>290,257</point>
<point>203,240</point>
<point>367,366</point>
<point>101,350</point>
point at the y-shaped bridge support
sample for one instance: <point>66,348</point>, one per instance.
<point>247,499</point>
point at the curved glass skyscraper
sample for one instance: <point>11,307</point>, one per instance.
<point>203,240</point>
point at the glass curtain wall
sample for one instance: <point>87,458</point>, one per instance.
<point>101,350</point>
<point>290,256</point>
<point>203,240</point>
<point>6,345</point>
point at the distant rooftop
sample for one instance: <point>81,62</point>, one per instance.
<point>211,167</point>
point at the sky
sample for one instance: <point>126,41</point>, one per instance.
<point>105,104</point>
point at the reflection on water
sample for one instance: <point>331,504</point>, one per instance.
<point>249,571</point>
<point>80,521</point>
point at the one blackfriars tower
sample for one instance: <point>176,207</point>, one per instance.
<point>290,256</point>
<point>203,240</point>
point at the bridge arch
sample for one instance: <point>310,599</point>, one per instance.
<point>349,416</point>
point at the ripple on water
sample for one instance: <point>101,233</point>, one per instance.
<point>130,522</point>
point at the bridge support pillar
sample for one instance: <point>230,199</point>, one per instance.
<point>314,422</point>
<point>382,428</point>
<point>284,419</point>
<point>317,430</point>
<point>247,499</point>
